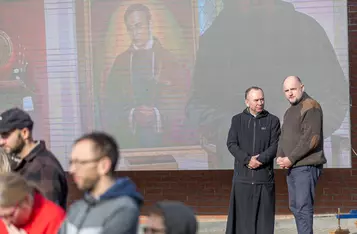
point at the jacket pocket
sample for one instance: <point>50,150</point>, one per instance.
<point>240,169</point>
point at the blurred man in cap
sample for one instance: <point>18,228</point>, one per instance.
<point>171,217</point>
<point>36,162</point>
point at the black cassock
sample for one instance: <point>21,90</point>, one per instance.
<point>252,209</point>
<point>252,203</point>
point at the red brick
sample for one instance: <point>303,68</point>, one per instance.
<point>352,9</point>
<point>283,210</point>
<point>331,191</point>
<point>154,191</point>
<point>177,192</point>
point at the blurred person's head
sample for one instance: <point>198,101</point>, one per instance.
<point>16,132</point>
<point>254,99</point>
<point>137,19</point>
<point>16,199</point>
<point>93,161</point>
<point>293,89</point>
<point>5,165</point>
<point>171,217</point>
<point>242,6</point>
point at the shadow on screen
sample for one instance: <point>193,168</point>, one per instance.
<point>260,43</point>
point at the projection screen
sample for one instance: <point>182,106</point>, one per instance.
<point>165,77</point>
<point>168,76</point>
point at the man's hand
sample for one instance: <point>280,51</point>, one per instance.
<point>254,163</point>
<point>11,229</point>
<point>284,162</point>
<point>279,160</point>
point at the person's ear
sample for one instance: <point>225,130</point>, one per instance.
<point>104,166</point>
<point>25,133</point>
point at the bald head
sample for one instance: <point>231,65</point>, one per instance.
<point>293,89</point>
<point>291,78</point>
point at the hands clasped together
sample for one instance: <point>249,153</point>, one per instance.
<point>254,163</point>
<point>283,162</point>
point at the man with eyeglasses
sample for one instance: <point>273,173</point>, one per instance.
<point>35,162</point>
<point>171,217</point>
<point>110,205</point>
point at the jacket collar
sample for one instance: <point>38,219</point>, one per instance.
<point>259,115</point>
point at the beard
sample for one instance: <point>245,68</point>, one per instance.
<point>89,184</point>
<point>20,144</point>
<point>296,101</point>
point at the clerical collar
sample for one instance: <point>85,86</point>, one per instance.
<point>149,45</point>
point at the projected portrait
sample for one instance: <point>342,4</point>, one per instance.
<point>21,85</point>
<point>260,43</point>
<point>144,89</point>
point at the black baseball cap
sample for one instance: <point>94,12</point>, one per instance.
<point>14,118</point>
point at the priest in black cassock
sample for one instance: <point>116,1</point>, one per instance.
<point>141,96</point>
<point>253,141</point>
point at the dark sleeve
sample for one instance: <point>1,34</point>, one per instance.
<point>112,92</point>
<point>233,143</point>
<point>280,152</point>
<point>311,134</point>
<point>50,183</point>
<point>269,154</point>
<point>115,104</point>
<point>55,189</point>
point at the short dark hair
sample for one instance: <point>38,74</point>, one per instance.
<point>104,145</point>
<point>251,88</point>
<point>137,7</point>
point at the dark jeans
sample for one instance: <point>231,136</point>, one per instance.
<point>301,186</point>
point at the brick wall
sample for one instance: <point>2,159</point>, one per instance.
<point>208,191</point>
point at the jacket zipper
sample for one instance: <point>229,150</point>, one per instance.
<point>83,218</point>
<point>253,147</point>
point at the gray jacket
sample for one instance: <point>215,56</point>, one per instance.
<point>115,212</point>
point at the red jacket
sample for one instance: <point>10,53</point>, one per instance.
<point>47,218</point>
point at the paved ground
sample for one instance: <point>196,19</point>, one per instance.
<point>322,225</point>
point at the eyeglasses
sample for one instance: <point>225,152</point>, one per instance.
<point>149,230</point>
<point>83,162</point>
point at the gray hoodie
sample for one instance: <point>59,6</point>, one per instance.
<point>115,212</point>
